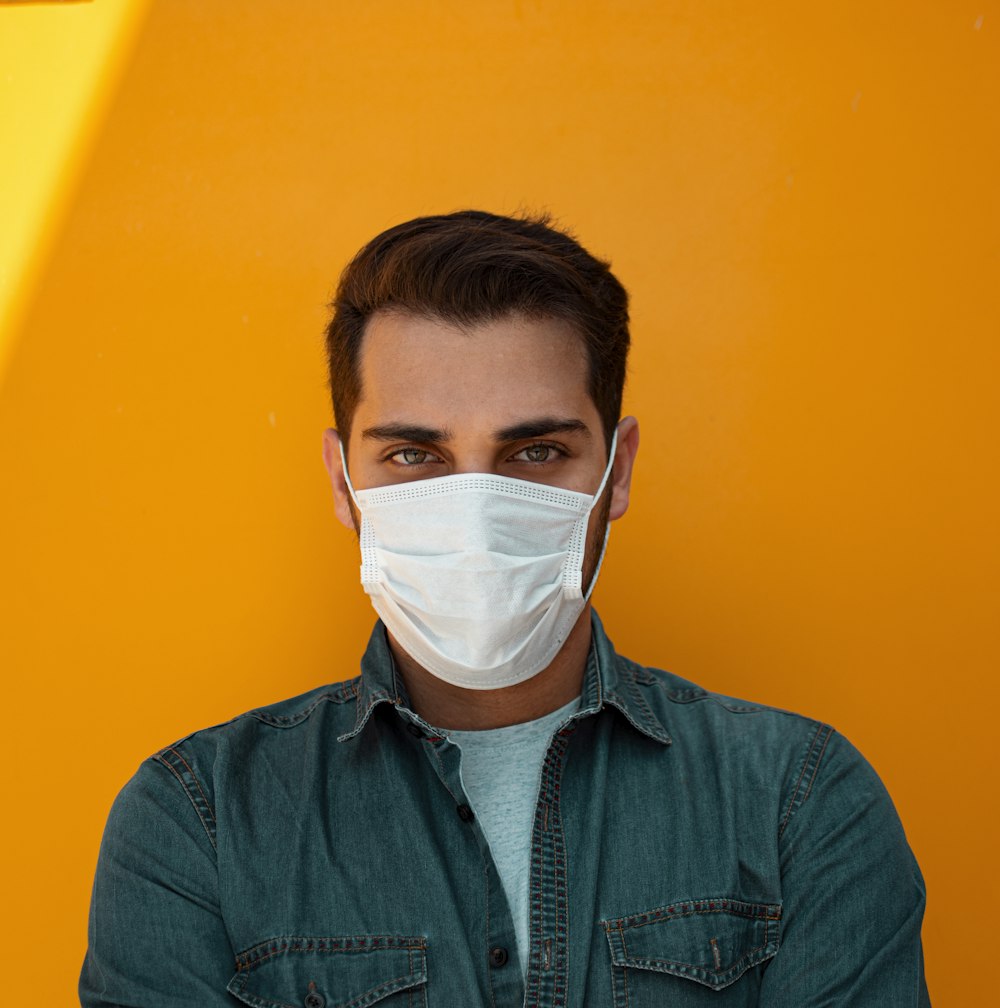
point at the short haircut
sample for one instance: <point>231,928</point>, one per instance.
<point>468,268</point>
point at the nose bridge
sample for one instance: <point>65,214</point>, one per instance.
<point>472,451</point>
<point>473,464</point>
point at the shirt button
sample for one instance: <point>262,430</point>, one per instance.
<point>465,813</point>
<point>498,957</point>
<point>314,1000</point>
<point>414,730</point>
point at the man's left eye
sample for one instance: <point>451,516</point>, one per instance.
<point>537,453</point>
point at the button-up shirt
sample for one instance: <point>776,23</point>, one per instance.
<point>688,849</point>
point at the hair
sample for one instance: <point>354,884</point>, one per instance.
<point>472,267</point>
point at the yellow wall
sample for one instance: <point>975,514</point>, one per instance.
<point>59,66</point>
<point>803,201</point>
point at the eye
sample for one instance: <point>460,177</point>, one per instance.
<point>539,454</point>
<point>411,456</point>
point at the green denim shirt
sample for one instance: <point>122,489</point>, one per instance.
<point>688,850</point>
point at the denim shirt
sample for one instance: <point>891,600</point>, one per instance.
<point>688,850</point>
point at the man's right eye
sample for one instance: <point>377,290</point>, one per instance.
<point>410,456</point>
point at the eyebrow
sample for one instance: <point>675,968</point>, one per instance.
<point>406,432</point>
<point>537,427</point>
<point>541,427</point>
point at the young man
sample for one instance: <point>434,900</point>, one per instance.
<point>500,810</point>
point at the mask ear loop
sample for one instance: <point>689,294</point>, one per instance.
<point>573,568</point>
<point>347,475</point>
<point>370,575</point>
<point>600,560</point>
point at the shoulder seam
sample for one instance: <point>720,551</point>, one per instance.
<point>169,758</point>
<point>343,694</point>
<point>807,773</point>
<point>692,694</point>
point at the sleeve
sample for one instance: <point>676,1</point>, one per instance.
<point>852,894</point>
<point>156,935</point>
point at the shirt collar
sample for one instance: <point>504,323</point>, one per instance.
<point>609,679</point>
<point>379,681</point>
<point>613,680</point>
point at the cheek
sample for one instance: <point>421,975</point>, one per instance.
<point>596,529</point>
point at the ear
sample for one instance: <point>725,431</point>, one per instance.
<point>621,473</point>
<point>338,481</point>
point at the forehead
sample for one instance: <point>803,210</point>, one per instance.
<point>418,368</point>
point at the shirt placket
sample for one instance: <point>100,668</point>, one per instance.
<point>548,961</point>
<point>497,953</point>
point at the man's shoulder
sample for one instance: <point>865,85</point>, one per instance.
<point>758,746</point>
<point>679,693</point>
<point>283,714</point>
<point>697,715</point>
<point>241,742</point>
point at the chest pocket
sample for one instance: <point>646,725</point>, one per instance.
<point>692,953</point>
<point>344,972</point>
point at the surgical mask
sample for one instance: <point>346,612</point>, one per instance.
<point>478,577</point>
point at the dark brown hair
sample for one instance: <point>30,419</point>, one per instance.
<point>471,267</point>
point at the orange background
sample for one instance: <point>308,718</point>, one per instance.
<point>803,201</point>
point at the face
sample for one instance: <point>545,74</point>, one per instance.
<point>507,397</point>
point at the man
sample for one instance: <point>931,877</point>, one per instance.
<point>500,810</point>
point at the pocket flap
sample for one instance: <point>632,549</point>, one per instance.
<point>344,972</point>
<point>713,941</point>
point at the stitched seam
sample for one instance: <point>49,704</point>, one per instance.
<point>180,780</point>
<point>647,712</point>
<point>751,911</point>
<point>535,902</point>
<point>688,908</point>
<point>289,720</point>
<point>700,913</point>
<point>598,678</point>
<point>247,960</point>
<point>732,705</point>
<point>621,934</point>
<point>640,673</point>
<point>649,961</point>
<point>819,760</point>
<point>173,770</point>
<point>345,692</point>
<point>548,793</point>
<point>187,766</point>
<point>560,857</point>
<point>694,694</point>
<point>726,976</point>
<point>795,800</point>
<point>363,714</point>
<point>619,704</point>
<point>208,826</point>
<point>798,783</point>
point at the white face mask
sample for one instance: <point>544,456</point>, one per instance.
<point>478,577</point>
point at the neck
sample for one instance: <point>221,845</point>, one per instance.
<point>452,707</point>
